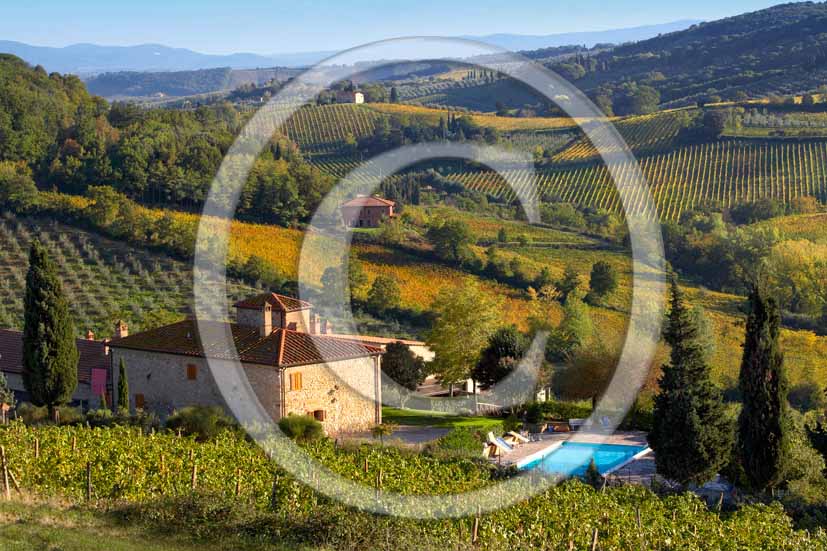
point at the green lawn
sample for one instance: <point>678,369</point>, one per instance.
<point>437,420</point>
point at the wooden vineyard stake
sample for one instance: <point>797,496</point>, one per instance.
<point>88,481</point>
<point>5,467</point>
<point>366,464</point>
<point>475,533</point>
<point>237,482</point>
<point>594,540</point>
<point>194,477</point>
<point>74,443</point>
<point>14,482</point>
<point>37,448</point>
<point>274,494</point>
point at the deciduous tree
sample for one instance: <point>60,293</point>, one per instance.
<point>465,319</point>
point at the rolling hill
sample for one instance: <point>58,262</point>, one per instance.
<point>782,49</point>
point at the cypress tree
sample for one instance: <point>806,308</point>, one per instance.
<point>763,441</point>
<point>691,436</point>
<point>50,354</point>
<point>122,400</point>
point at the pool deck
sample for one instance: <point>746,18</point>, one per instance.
<point>639,471</point>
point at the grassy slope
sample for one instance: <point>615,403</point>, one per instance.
<point>39,526</point>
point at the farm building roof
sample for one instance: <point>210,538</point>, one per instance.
<point>92,355</point>
<point>368,202</point>
<point>280,303</point>
<point>282,348</point>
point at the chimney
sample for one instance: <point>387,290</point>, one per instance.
<point>90,335</point>
<point>315,322</point>
<point>266,320</point>
<point>121,329</point>
<point>327,327</point>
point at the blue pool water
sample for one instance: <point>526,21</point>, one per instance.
<point>573,458</point>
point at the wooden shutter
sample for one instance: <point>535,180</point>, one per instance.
<point>319,415</point>
<point>295,381</point>
<point>192,372</point>
<point>139,401</point>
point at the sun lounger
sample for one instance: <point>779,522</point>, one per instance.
<point>502,445</point>
<point>577,424</point>
<point>518,437</point>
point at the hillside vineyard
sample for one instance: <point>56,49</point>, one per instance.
<point>722,173</point>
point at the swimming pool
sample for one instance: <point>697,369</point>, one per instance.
<point>573,458</point>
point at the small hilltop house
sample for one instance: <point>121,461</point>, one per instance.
<point>366,212</point>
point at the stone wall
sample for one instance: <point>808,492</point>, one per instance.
<point>162,380</point>
<point>347,391</point>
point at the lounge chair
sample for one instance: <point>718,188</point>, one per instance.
<point>501,445</point>
<point>577,424</point>
<point>518,437</point>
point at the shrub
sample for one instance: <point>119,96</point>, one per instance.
<point>554,409</point>
<point>640,416</point>
<point>104,417</point>
<point>33,415</point>
<point>807,397</point>
<point>302,428</point>
<point>203,422</point>
<point>459,442</point>
<point>593,477</point>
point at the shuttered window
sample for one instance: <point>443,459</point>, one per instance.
<point>139,401</point>
<point>295,381</point>
<point>192,372</point>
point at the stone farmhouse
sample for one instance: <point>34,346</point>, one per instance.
<point>284,353</point>
<point>366,212</point>
<point>347,96</point>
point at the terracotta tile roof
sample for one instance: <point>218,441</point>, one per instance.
<point>368,202</point>
<point>92,355</point>
<point>280,303</point>
<point>282,348</point>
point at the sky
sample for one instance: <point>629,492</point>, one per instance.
<point>277,26</point>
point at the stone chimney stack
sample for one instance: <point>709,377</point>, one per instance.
<point>266,320</point>
<point>90,335</point>
<point>327,327</point>
<point>315,324</point>
<point>121,329</point>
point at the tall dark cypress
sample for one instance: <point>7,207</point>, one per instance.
<point>122,399</point>
<point>50,354</point>
<point>692,436</point>
<point>763,440</point>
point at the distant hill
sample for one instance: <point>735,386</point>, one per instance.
<point>518,42</point>
<point>781,50</point>
<point>90,59</point>
<point>134,84</point>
